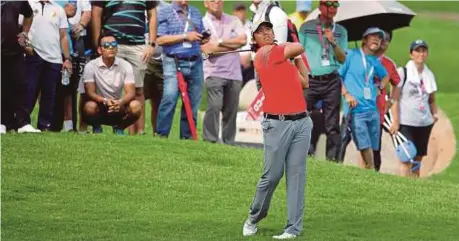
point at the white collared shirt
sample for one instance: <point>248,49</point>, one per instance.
<point>44,33</point>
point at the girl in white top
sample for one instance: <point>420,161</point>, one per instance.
<point>418,109</point>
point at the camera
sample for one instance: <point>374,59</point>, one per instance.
<point>205,34</point>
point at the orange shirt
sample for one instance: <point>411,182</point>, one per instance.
<point>280,83</point>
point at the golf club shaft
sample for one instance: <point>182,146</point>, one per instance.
<point>229,52</point>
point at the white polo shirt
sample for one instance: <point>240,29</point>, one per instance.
<point>82,6</point>
<point>109,82</point>
<point>48,19</point>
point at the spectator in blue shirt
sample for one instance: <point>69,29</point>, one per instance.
<point>358,74</point>
<point>179,33</point>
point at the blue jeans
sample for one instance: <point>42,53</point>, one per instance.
<point>366,130</point>
<point>193,73</point>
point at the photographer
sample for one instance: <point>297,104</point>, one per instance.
<point>222,73</point>
<point>179,33</point>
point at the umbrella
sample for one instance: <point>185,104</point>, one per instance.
<point>346,135</point>
<point>358,16</point>
<point>183,88</point>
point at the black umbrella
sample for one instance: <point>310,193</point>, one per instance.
<point>358,16</point>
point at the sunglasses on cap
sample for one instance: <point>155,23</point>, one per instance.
<point>107,45</point>
<point>330,4</point>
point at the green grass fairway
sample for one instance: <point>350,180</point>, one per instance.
<point>70,187</point>
<point>74,187</point>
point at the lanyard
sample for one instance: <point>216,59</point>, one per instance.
<point>364,62</point>
<point>187,20</point>
<point>423,88</point>
<point>211,25</point>
<point>321,37</point>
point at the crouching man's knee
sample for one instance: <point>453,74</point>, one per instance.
<point>90,108</point>
<point>135,108</point>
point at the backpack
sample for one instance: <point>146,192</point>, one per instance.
<point>292,32</point>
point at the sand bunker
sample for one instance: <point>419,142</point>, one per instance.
<point>441,151</point>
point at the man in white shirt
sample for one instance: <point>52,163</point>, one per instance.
<point>48,38</point>
<point>276,16</point>
<point>105,78</point>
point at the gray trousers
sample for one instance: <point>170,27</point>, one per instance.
<point>222,95</point>
<point>286,144</point>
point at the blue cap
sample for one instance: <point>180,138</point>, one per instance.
<point>303,5</point>
<point>374,30</point>
<point>418,43</point>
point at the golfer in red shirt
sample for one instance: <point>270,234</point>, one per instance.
<point>286,128</point>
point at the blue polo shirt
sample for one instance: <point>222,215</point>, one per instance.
<point>353,74</point>
<point>172,21</point>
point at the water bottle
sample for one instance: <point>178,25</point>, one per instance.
<point>65,77</point>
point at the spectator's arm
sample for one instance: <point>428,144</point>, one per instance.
<point>152,24</point>
<point>85,18</point>
<point>64,42</point>
<point>27,12</point>
<point>63,32</point>
<point>433,104</point>
<point>238,41</point>
<point>129,85</point>
<point>342,72</point>
<point>90,85</point>
<point>96,17</point>
<point>170,39</point>
<point>341,48</point>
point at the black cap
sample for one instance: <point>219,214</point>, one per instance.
<point>418,43</point>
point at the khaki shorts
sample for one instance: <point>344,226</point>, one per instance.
<point>154,81</point>
<point>133,54</point>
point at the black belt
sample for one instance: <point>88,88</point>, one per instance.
<point>293,117</point>
<point>190,58</point>
<point>324,77</point>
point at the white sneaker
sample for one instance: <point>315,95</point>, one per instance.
<point>2,129</point>
<point>285,236</point>
<point>249,228</point>
<point>28,129</point>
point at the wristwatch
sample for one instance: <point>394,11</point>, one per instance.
<point>105,101</point>
<point>68,58</point>
<point>220,41</point>
<point>153,44</point>
<point>185,37</point>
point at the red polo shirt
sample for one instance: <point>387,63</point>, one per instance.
<point>391,69</point>
<point>280,82</point>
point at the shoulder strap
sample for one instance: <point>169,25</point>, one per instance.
<point>268,10</point>
<point>404,76</point>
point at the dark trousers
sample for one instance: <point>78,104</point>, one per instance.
<point>14,92</point>
<point>42,77</point>
<point>63,91</point>
<point>222,96</point>
<point>319,128</point>
<point>330,92</point>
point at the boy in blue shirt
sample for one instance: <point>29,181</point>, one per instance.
<point>358,74</point>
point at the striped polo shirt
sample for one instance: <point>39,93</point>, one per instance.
<point>172,20</point>
<point>309,38</point>
<point>125,19</point>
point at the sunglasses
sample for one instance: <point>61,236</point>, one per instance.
<point>107,45</point>
<point>331,4</point>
